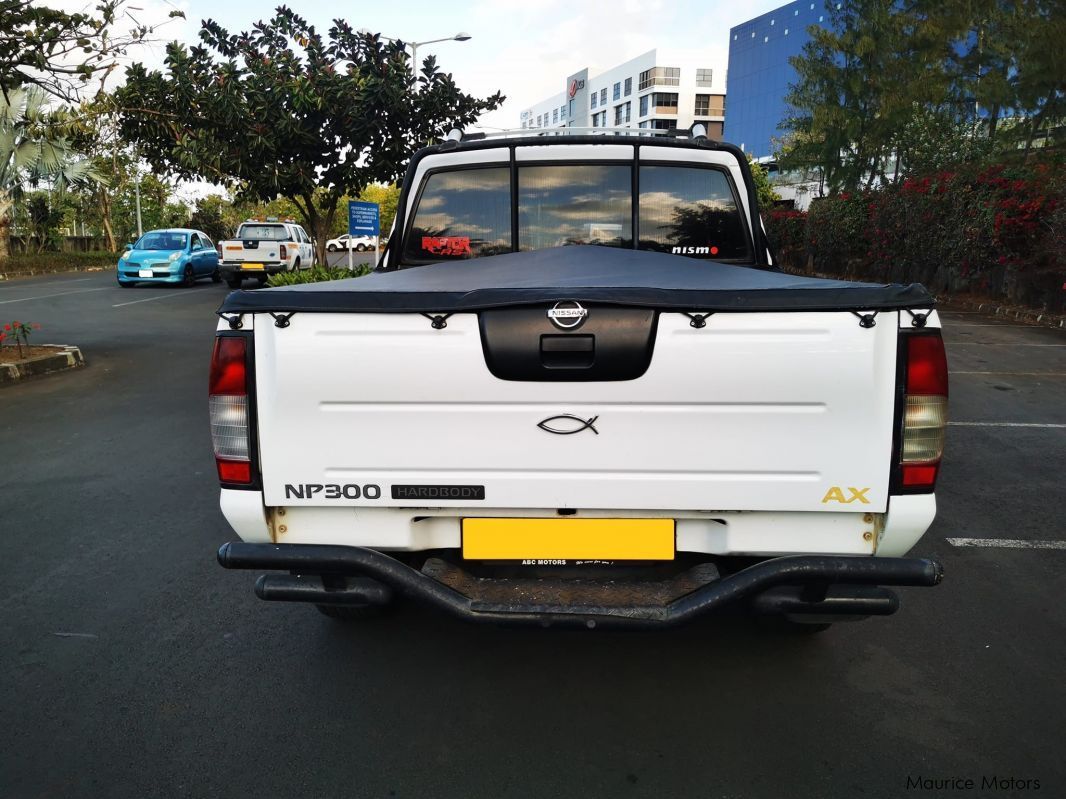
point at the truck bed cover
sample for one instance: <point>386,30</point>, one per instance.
<point>584,274</point>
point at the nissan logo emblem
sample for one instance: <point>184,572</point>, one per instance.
<point>567,314</point>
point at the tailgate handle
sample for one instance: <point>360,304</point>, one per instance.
<point>567,351</point>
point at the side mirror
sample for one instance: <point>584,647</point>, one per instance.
<point>128,247</point>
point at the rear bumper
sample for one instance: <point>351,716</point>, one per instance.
<point>228,270</point>
<point>805,585</point>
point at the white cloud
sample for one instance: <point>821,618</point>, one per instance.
<point>526,49</point>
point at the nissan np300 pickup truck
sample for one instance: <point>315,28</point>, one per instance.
<point>577,391</point>
<point>263,248</point>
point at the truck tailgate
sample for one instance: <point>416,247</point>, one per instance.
<point>755,411</point>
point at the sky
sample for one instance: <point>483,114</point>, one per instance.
<point>524,49</point>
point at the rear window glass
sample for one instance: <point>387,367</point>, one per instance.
<point>462,214</point>
<point>263,233</point>
<point>162,240</point>
<point>690,211</point>
<point>585,204</point>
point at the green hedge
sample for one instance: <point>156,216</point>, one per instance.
<point>56,262</point>
<point>997,232</point>
<point>318,274</point>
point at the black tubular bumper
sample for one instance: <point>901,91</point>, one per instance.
<point>811,585</point>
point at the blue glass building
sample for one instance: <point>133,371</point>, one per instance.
<point>759,72</point>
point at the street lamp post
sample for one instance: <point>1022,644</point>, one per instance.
<point>462,36</point>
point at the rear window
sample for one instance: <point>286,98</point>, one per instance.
<point>263,233</point>
<point>690,211</point>
<point>682,210</point>
<point>462,214</point>
<point>587,204</point>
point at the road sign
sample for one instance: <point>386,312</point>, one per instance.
<point>364,219</point>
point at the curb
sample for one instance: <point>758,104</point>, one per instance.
<point>944,302</point>
<point>65,357</point>
<point>67,270</point>
<point>1010,312</point>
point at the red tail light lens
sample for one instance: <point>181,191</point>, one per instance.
<point>924,410</point>
<point>228,405</point>
<point>927,364</point>
<point>283,252</point>
<point>228,367</point>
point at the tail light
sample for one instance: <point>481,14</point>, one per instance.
<point>281,249</point>
<point>228,403</point>
<point>925,410</point>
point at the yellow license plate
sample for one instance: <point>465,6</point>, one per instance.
<point>251,266</point>
<point>568,539</point>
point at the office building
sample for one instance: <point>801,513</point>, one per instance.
<point>760,72</point>
<point>660,89</point>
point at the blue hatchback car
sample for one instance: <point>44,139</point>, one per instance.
<point>175,255</point>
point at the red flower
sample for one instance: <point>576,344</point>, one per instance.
<point>8,327</point>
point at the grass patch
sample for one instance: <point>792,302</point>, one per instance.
<point>318,274</point>
<point>44,262</point>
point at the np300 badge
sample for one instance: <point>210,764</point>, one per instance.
<point>567,314</point>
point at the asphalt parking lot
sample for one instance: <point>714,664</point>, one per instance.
<point>133,666</point>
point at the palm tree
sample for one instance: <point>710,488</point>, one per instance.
<point>33,150</point>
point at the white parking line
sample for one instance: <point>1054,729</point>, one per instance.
<point>1014,374</point>
<point>157,297</point>
<point>49,296</point>
<point>1006,543</point>
<point>1004,424</point>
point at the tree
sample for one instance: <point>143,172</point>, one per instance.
<point>283,111</point>
<point>858,82</point>
<point>159,209</point>
<point>43,217</point>
<point>388,198</point>
<point>764,192</point>
<point>34,149</point>
<point>61,52</point>
<point>894,87</point>
<point>210,217</point>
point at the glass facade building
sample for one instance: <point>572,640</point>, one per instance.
<point>759,72</point>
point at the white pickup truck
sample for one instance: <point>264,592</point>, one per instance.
<point>577,391</point>
<point>263,248</point>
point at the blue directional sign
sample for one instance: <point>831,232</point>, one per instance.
<point>364,219</point>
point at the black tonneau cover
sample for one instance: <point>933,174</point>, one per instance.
<point>583,273</point>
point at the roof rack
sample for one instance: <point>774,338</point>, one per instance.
<point>697,131</point>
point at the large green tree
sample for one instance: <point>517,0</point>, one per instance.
<point>889,87</point>
<point>858,81</point>
<point>283,110</point>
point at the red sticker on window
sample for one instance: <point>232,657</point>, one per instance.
<point>446,245</point>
